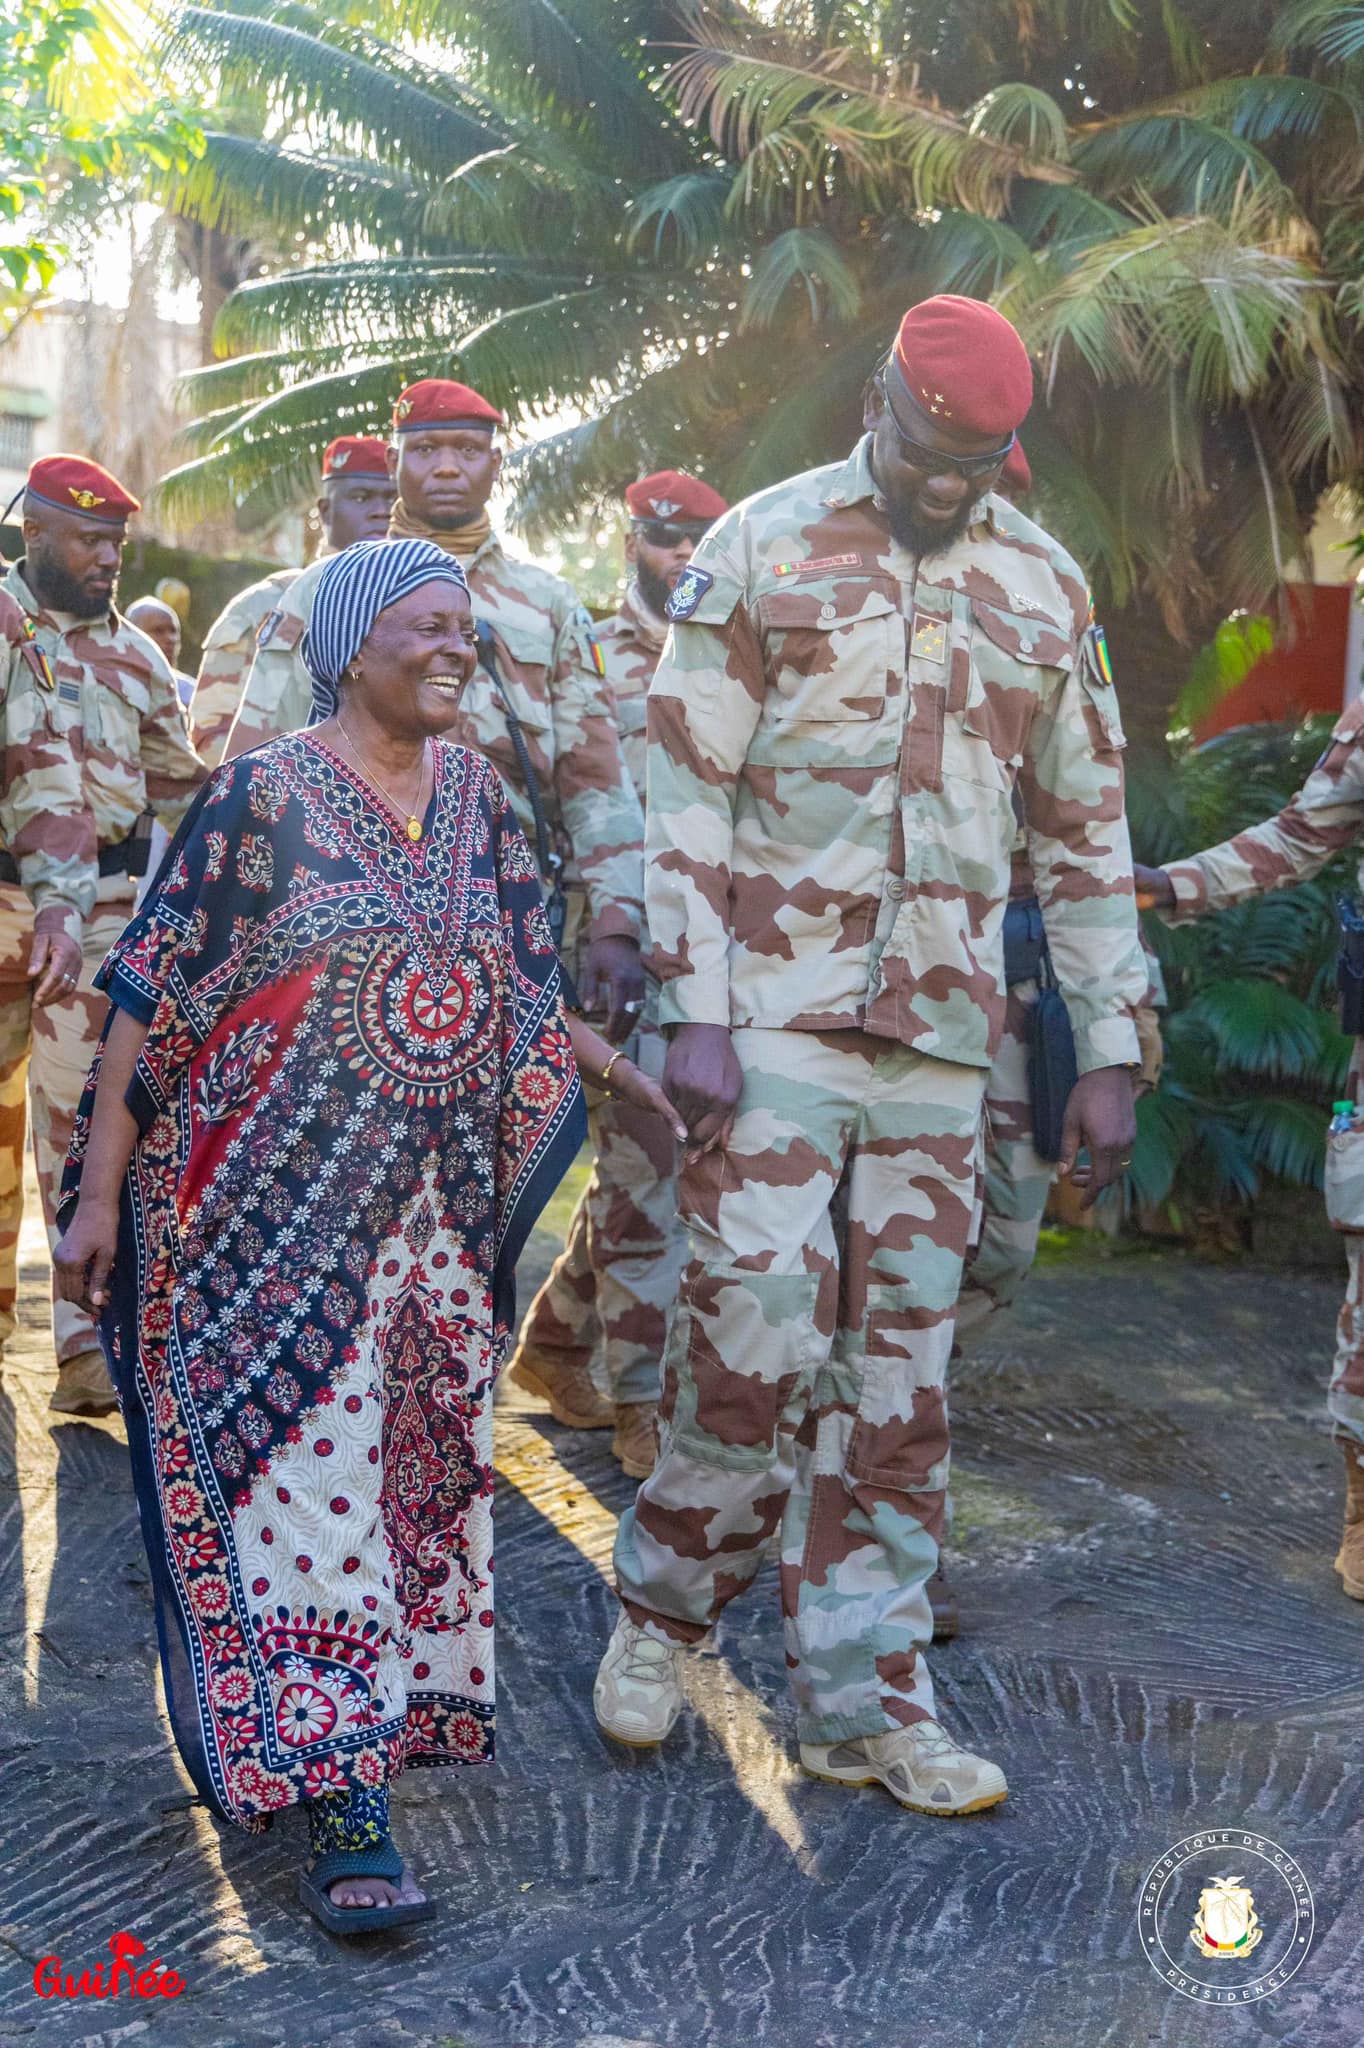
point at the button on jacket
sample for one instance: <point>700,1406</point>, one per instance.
<point>835,733</point>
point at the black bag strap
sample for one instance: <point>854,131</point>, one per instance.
<point>550,862</point>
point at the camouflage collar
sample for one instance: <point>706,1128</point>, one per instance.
<point>636,617</point>
<point>854,482</point>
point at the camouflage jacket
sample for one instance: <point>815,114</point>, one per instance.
<point>126,722</point>
<point>549,660</point>
<point>1325,817</point>
<point>835,731</point>
<point>45,824</point>
<point>228,653</point>
<point>631,644</point>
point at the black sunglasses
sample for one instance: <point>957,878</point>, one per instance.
<point>669,533</point>
<point>933,461</point>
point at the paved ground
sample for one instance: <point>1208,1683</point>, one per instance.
<point>1146,1518</point>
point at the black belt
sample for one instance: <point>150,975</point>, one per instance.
<point>131,856</point>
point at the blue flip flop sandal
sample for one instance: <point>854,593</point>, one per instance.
<point>382,1860</point>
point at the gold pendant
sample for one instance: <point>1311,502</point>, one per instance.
<point>414,828</point>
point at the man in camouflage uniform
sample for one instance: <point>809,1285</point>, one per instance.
<point>864,660</point>
<point>116,697</point>
<point>630,1202</point>
<point>47,854</point>
<point>353,504</point>
<point>1324,818</point>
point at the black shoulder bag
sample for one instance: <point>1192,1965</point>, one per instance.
<point>550,863</point>
<point>1051,1060</point>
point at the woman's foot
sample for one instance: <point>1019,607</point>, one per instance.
<point>357,1894</point>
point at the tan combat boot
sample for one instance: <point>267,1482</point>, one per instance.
<point>83,1386</point>
<point>1350,1557</point>
<point>635,1442</point>
<point>566,1384</point>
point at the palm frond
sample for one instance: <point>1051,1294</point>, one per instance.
<point>808,261</point>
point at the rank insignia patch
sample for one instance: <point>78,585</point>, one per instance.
<point>688,591</point>
<point>930,638</point>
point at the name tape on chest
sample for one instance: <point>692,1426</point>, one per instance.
<point>688,591</point>
<point>814,564</point>
<point>928,642</point>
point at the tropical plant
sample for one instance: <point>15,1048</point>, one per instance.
<point>1254,1053</point>
<point>692,227</point>
<point>79,122</point>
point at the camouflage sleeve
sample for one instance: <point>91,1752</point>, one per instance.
<point>170,766</point>
<point>1325,817</point>
<point>1072,786</point>
<point>279,690</point>
<point>704,704</point>
<point>598,804</point>
<point>44,819</point>
<point>228,653</point>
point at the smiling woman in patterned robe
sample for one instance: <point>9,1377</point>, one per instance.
<point>341,1079</point>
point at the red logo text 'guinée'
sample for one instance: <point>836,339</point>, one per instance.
<point>123,1973</point>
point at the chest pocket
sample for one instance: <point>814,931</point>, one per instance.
<point>1008,653</point>
<point>113,706</point>
<point>836,669</point>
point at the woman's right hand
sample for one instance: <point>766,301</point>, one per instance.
<point>632,1085</point>
<point>84,1259</point>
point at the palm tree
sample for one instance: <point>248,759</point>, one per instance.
<point>693,226</point>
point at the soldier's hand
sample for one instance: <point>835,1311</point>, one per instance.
<point>85,1257</point>
<point>54,967</point>
<point>613,980</point>
<point>703,1078</point>
<point>1101,1119</point>
<point>1155,890</point>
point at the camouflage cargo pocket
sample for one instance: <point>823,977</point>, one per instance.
<point>747,1348</point>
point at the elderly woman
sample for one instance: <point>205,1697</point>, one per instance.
<point>337,1087</point>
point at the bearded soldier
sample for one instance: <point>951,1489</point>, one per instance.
<point>353,503</point>
<point>117,698</point>
<point>864,663</point>
<point>617,1275</point>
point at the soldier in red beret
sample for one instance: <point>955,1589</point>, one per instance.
<point>865,662</point>
<point>353,503</point>
<point>616,1278</point>
<point>116,695</point>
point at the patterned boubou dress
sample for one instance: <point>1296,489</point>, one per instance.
<point>355,1095</point>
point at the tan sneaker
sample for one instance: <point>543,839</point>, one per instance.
<point>83,1386</point>
<point>1350,1556</point>
<point>638,1691</point>
<point>566,1384</point>
<point>635,1442</point>
<point>921,1766</point>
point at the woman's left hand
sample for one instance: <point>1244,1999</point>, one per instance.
<point>633,1086</point>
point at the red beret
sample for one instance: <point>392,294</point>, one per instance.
<point>965,364</point>
<point>436,402</point>
<point>1016,475</point>
<point>355,455</point>
<point>671,494</point>
<point>74,484</point>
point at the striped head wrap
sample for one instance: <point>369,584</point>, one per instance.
<point>356,585</point>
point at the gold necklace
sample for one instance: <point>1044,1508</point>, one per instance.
<point>414,823</point>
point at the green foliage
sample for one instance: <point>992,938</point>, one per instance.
<point>728,205</point>
<point>73,108</point>
<point>1253,1052</point>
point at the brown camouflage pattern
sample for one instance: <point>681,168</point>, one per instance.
<point>228,653</point>
<point>804,1375</point>
<point>45,822</point>
<point>836,732</point>
<point>631,643</point>
<point>546,654</point>
<point>128,726</point>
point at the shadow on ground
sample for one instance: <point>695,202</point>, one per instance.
<point>1154,1645</point>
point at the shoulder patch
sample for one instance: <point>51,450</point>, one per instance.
<point>688,591</point>
<point>268,627</point>
<point>1096,648</point>
<point>588,643</point>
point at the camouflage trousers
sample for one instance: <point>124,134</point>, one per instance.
<point>1017,1182</point>
<point>803,1379</point>
<point>616,1279</point>
<point>1345,1399</point>
<point>45,1054</point>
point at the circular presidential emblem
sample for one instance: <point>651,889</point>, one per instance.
<point>1226,1917</point>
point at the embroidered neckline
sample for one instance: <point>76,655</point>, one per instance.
<point>413,848</point>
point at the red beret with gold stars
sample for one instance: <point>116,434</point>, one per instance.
<point>965,364</point>
<point>437,402</point>
<point>72,483</point>
<point>355,455</point>
<point>672,494</point>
